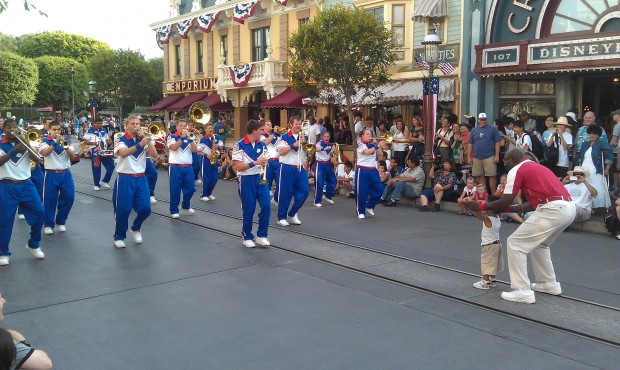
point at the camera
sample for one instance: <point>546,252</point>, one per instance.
<point>573,178</point>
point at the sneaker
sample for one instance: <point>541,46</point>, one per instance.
<point>263,241</point>
<point>484,284</point>
<point>211,197</point>
<point>552,288</point>
<point>21,217</point>
<point>361,216</point>
<point>96,188</point>
<point>330,201</point>
<point>174,215</point>
<point>137,236</point>
<point>351,195</point>
<point>190,211</point>
<point>198,181</point>
<point>294,220</point>
<point>249,243</point>
<point>436,208</point>
<point>153,200</point>
<point>520,296</point>
<point>618,236</point>
<point>205,199</point>
<point>62,228</point>
<point>318,205</point>
<point>105,185</point>
<point>282,223</point>
<point>424,208</point>
<point>273,201</point>
<point>119,244</point>
<point>370,211</point>
<point>391,203</point>
<point>36,252</point>
<point>4,260</point>
<point>48,231</point>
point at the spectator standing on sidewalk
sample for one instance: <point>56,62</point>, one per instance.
<point>484,151</point>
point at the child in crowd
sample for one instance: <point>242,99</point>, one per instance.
<point>466,196</point>
<point>499,192</point>
<point>481,193</point>
<point>384,175</point>
<point>491,259</point>
<point>346,178</point>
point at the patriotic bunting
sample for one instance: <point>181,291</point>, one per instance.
<point>244,11</point>
<point>163,34</point>
<point>282,2</point>
<point>240,75</point>
<point>184,26</point>
<point>206,21</point>
<point>429,106</point>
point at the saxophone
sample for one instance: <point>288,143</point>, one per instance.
<point>214,152</point>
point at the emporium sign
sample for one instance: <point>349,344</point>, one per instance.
<point>577,50</point>
<point>188,86</point>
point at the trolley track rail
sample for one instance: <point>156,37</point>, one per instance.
<point>191,221</point>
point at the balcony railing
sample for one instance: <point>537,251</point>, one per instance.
<point>269,74</point>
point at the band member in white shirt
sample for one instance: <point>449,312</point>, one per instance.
<point>324,175</point>
<point>270,137</point>
<point>293,178</point>
<point>368,186</point>
<point>180,169</point>
<point>208,170</point>
<point>131,188</point>
<point>58,189</point>
<point>100,140</point>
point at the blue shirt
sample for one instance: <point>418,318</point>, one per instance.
<point>483,140</point>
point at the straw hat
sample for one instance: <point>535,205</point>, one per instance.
<point>579,169</point>
<point>562,121</point>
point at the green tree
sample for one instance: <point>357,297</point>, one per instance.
<point>55,77</point>
<point>8,43</point>
<point>341,52</point>
<point>154,84</point>
<point>4,4</point>
<point>60,44</point>
<point>122,76</point>
<point>19,77</point>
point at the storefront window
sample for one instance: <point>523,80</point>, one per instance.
<point>534,96</point>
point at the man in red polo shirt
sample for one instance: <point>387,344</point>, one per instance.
<point>553,212</point>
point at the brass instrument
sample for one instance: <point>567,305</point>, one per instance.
<point>309,148</point>
<point>263,171</point>
<point>200,112</point>
<point>387,137</point>
<point>33,134</point>
<point>28,147</point>
<point>336,153</point>
<point>65,143</point>
<point>281,130</point>
<point>214,152</point>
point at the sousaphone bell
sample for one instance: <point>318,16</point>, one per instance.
<point>200,112</point>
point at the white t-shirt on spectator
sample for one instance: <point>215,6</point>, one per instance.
<point>580,194</point>
<point>313,133</point>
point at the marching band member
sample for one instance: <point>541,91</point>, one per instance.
<point>196,158</point>
<point>99,138</point>
<point>58,189</point>
<point>270,137</point>
<point>249,154</point>
<point>151,178</point>
<point>324,175</point>
<point>180,169</point>
<point>16,190</point>
<point>36,176</point>
<point>293,178</point>
<point>131,188</point>
<point>367,181</point>
<point>209,170</point>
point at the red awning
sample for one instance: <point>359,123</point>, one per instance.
<point>45,109</point>
<point>289,98</point>
<point>187,101</point>
<point>165,102</point>
<point>215,103</point>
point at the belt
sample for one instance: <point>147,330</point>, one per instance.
<point>10,181</point>
<point>323,161</point>
<point>495,242</point>
<point>558,197</point>
<point>292,165</point>
<point>274,159</point>
<point>132,174</point>
<point>366,168</point>
<point>179,165</point>
<point>57,171</point>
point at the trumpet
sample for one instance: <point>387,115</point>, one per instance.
<point>281,130</point>
<point>64,142</point>
<point>263,172</point>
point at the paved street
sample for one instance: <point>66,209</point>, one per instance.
<point>195,298</point>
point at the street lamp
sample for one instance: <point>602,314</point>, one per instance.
<point>72,93</point>
<point>92,103</point>
<point>431,56</point>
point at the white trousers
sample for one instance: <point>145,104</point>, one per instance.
<point>535,236</point>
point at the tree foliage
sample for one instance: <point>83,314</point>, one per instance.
<point>123,77</point>
<point>18,80</point>
<point>55,77</point>
<point>4,4</point>
<point>8,43</point>
<point>60,44</point>
<point>343,50</point>
<point>154,84</point>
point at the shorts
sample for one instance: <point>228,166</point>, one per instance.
<point>582,214</point>
<point>484,167</point>
<point>491,259</point>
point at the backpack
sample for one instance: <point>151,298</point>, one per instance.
<point>611,222</point>
<point>537,147</point>
<point>552,153</point>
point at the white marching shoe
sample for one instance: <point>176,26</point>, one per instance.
<point>153,200</point>
<point>370,211</point>
<point>282,223</point>
<point>294,220</point>
<point>119,244</point>
<point>21,217</point>
<point>137,236</point>
<point>211,197</point>
<point>249,243</point>
<point>262,241</point>
<point>205,199</point>
<point>48,231</point>
<point>361,216</point>
<point>105,185</point>
<point>36,252</point>
<point>62,228</point>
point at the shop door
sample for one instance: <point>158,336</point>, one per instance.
<point>601,94</point>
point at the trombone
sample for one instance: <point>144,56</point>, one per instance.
<point>27,145</point>
<point>387,137</point>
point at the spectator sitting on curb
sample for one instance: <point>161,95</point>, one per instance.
<point>409,183</point>
<point>581,191</point>
<point>467,195</point>
<point>443,179</point>
<point>346,178</point>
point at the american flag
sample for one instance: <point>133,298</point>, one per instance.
<point>429,106</point>
<point>421,63</point>
<point>445,67</point>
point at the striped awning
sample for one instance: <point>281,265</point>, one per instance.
<point>429,8</point>
<point>412,90</point>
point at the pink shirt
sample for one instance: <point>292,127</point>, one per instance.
<point>536,182</point>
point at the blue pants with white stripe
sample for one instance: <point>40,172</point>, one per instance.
<point>58,191</point>
<point>368,189</point>
<point>181,180</point>
<point>36,176</point>
<point>196,164</point>
<point>324,175</point>
<point>273,170</point>
<point>292,184</point>
<point>209,177</point>
<point>130,193</point>
<point>250,191</point>
<point>151,176</point>
<point>107,163</point>
<point>22,195</point>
